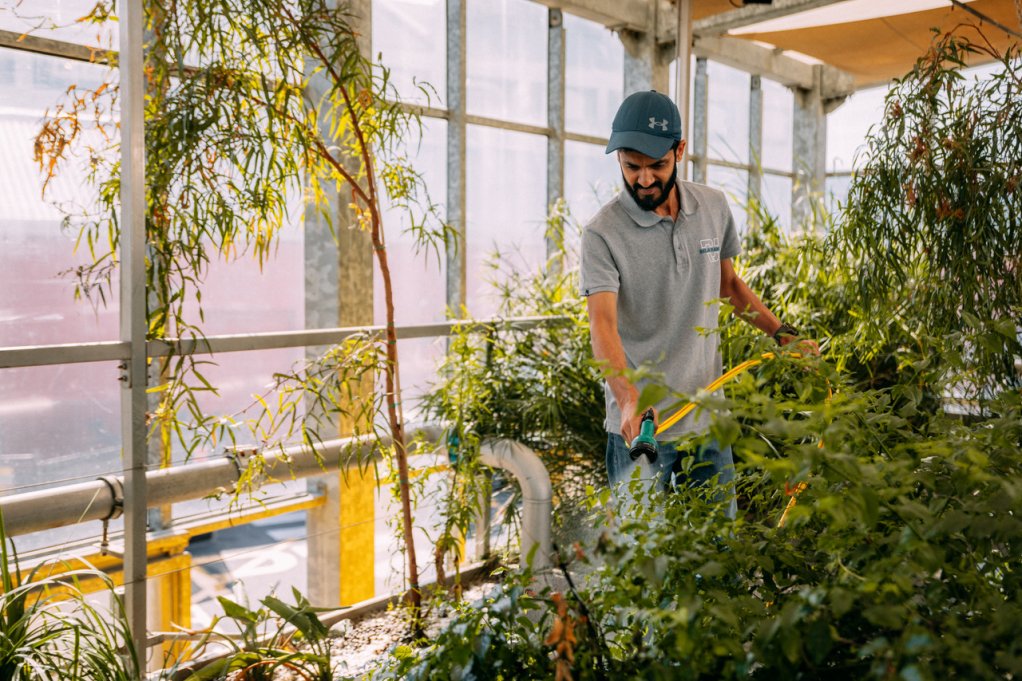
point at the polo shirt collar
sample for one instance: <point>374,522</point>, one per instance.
<point>647,218</point>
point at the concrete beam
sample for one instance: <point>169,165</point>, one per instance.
<point>718,24</point>
<point>774,64</point>
<point>633,15</point>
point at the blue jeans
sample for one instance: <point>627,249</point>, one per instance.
<point>711,461</point>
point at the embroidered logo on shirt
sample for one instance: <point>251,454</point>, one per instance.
<point>710,248</point>
<point>654,123</point>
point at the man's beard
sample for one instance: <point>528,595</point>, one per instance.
<point>652,202</point>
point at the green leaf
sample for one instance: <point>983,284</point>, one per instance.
<point>651,395</point>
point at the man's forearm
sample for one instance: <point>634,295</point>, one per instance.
<point>607,349</point>
<point>749,307</point>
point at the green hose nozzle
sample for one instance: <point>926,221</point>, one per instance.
<point>645,443</point>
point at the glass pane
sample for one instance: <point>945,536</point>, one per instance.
<point>242,296</point>
<point>59,425</point>
<point>672,91</point>
<point>419,358</point>
<point>38,305</point>
<point>58,20</point>
<point>728,115</point>
<point>507,50</point>
<point>837,191</point>
<point>591,178</point>
<point>246,564</point>
<point>777,199</point>
<point>848,124</point>
<point>735,185</point>
<point>420,292</point>
<point>778,110</point>
<point>409,34</point>
<point>506,209</point>
<point>594,76</point>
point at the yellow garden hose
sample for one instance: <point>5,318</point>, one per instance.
<point>716,385</point>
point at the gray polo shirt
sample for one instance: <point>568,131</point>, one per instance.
<point>664,273</point>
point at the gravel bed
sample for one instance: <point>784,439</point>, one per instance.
<point>358,645</point>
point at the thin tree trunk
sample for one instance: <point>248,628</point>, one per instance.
<point>396,424</point>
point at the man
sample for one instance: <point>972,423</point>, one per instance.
<point>652,260</point>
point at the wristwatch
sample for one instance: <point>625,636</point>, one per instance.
<point>784,330</point>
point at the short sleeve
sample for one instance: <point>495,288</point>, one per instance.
<point>730,244</point>
<point>598,271</point>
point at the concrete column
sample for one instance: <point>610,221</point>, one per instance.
<point>341,538</point>
<point>555,114</point>
<point>755,141</point>
<point>338,292</point>
<point>647,66</point>
<point>699,135</point>
<point>456,153</point>
<point>809,153</point>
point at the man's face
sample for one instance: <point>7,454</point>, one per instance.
<point>650,181</point>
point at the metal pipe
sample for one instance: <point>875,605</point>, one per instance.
<point>537,496</point>
<point>41,355</point>
<point>82,502</point>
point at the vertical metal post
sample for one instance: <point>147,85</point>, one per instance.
<point>555,115</point>
<point>700,124</point>
<point>456,153</point>
<point>132,317</point>
<point>755,141</point>
<point>683,56</point>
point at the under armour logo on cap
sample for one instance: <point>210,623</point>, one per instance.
<point>647,122</point>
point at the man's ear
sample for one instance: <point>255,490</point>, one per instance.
<point>680,151</point>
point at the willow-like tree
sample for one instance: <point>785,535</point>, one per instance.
<point>933,227</point>
<point>248,106</point>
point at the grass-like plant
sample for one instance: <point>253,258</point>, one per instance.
<point>49,630</point>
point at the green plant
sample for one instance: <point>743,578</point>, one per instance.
<point>900,560</point>
<point>49,630</point>
<point>932,228</point>
<point>298,642</point>
<point>538,384</point>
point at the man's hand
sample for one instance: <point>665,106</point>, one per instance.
<point>631,420</point>
<point>806,346</point>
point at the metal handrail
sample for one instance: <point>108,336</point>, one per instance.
<point>73,353</point>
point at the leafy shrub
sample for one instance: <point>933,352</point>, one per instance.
<point>537,385</point>
<point>275,638</point>
<point>901,558</point>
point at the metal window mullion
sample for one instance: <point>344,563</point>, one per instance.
<point>456,152</point>
<point>683,57</point>
<point>132,317</point>
<point>587,139</point>
<point>16,40</point>
<point>700,126</point>
<point>555,115</point>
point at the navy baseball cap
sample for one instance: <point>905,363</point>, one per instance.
<point>647,122</point>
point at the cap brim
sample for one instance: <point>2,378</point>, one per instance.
<point>653,146</point>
